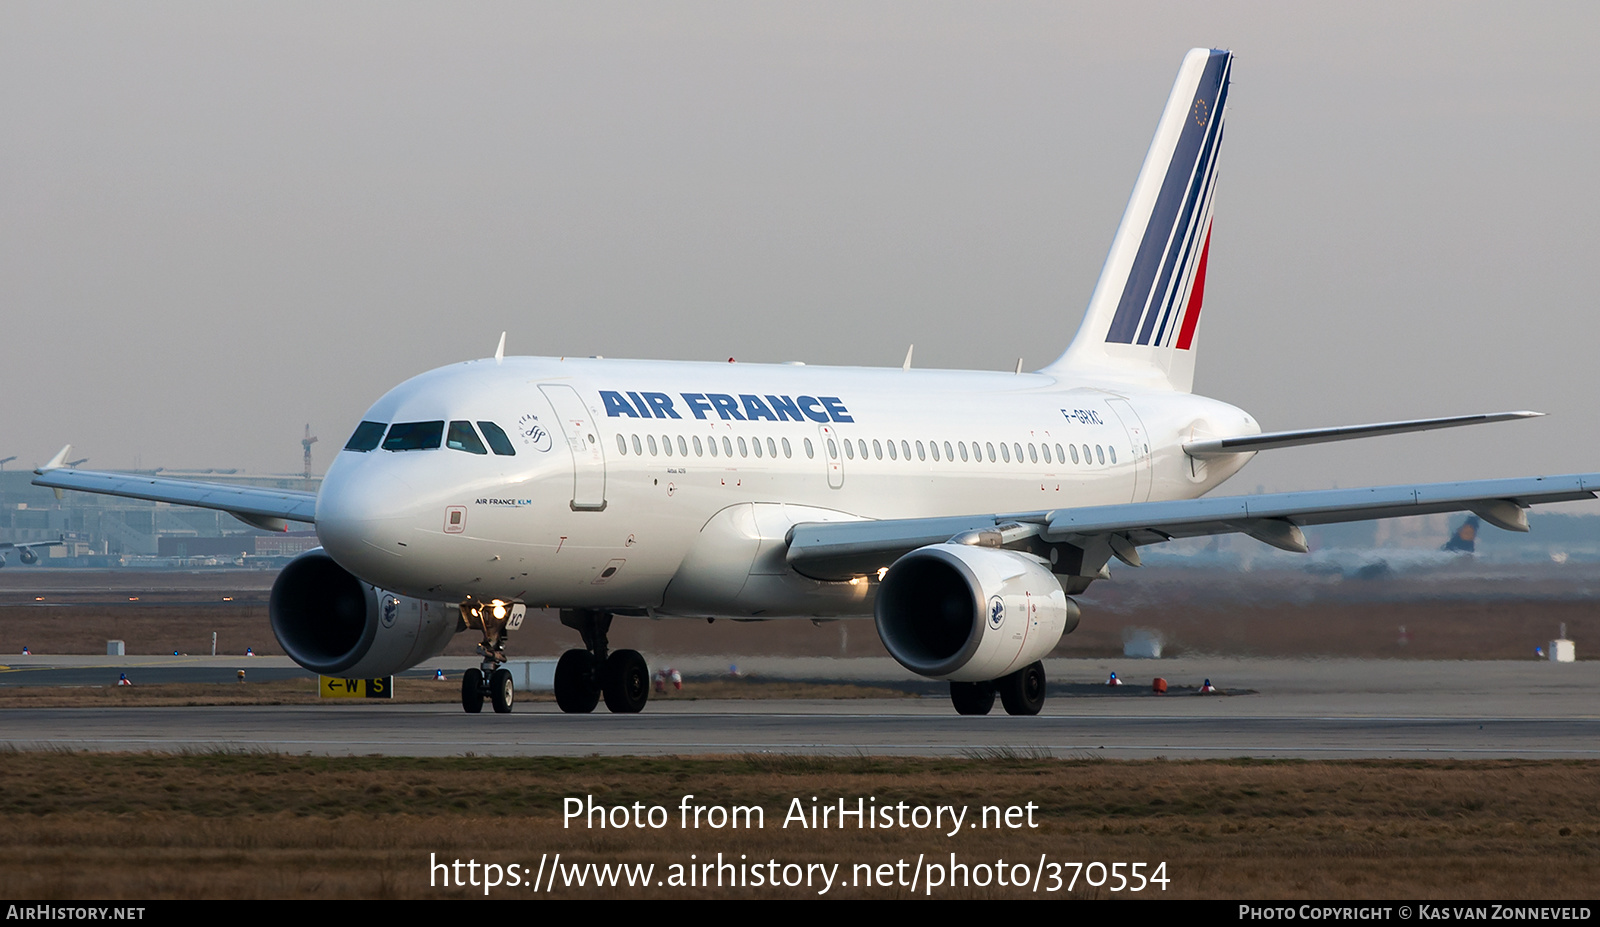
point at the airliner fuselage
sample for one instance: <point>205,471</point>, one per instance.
<point>621,469</point>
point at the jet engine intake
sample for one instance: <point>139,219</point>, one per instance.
<point>969,614</point>
<point>333,624</point>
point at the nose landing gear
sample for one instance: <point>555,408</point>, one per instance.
<point>583,676</point>
<point>495,619</point>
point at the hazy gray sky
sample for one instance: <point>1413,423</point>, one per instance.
<point>222,221</point>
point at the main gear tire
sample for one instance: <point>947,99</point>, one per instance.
<point>627,682</point>
<point>972,698</point>
<point>1022,692</point>
<point>575,689</point>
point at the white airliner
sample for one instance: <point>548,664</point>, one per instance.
<point>961,509</point>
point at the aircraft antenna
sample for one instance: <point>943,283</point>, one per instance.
<point>500,349</point>
<point>1019,366</point>
<point>907,364</point>
<point>306,443</point>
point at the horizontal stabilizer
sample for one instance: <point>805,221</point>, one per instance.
<point>1246,444</point>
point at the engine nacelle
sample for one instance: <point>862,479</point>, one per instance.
<point>333,624</point>
<point>969,614</point>
<point>26,555</point>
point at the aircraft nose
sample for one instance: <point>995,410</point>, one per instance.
<point>361,518</point>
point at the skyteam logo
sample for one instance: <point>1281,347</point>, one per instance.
<point>997,612</point>
<point>391,610</point>
<point>534,432</point>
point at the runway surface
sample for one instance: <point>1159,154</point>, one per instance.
<point>1300,709</point>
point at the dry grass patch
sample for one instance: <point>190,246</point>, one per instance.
<point>259,825</point>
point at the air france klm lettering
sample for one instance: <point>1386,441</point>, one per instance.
<point>962,510</point>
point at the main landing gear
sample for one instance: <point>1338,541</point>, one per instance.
<point>495,619</point>
<point>583,676</point>
<point>1022,693</point>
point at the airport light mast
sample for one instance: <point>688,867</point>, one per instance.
<point>306,443</point>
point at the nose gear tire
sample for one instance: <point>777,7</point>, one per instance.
<point>472,691</point>
<point>501,691</point>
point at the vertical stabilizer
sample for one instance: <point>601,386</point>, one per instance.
<point>1141,321</point>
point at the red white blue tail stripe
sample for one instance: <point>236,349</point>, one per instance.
<point>1161,297</point>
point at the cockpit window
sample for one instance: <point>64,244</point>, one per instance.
<point>367,436</point>
<point>497,439</point>
<point>413,436</point>
<point>463,438</point>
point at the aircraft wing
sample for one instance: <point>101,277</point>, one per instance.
<point>24,545</point>
<point>264,508</point>
<point>841,550</point>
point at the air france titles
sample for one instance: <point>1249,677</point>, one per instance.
<point>745,407</point>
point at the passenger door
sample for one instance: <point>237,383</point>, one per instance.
<point>583,439</point>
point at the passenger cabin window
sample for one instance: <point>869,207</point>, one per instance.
<point>414,436</point>
<point>461,437</point>
<point>622,445</point>
<point>498,442</point>
<point>367,436</point>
